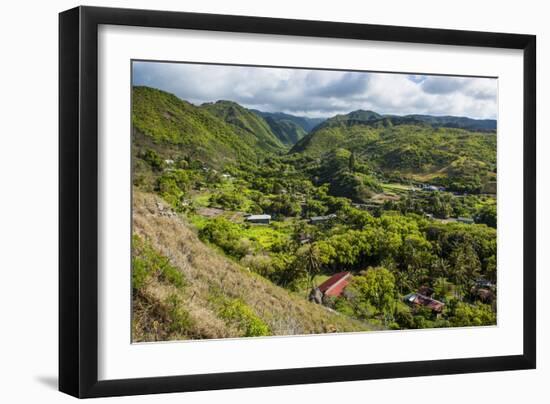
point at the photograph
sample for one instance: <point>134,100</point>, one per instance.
<point>286,201</point>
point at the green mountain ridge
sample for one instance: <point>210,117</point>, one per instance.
<point>435,121</point>
<point>404,147</point>
<point>417,147</point>
<point>177,127</point>
<point>244,121</point>
<point>307,124</point>
<point>459,122</point>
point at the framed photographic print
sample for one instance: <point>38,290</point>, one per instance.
<point>251,201</point>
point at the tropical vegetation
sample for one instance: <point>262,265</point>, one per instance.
<point>407,204</point>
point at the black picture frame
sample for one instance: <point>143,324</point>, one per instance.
<point>78,201</point>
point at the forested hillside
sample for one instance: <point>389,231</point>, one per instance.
<point>289,128</point>
<point>401,149</point>
<point>246,123</point>
<point>180,128</point>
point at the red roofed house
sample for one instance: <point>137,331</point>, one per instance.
<point>421,300</point>
<point>333,286</point>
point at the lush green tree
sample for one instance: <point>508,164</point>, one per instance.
<point>153,159</point>
<point>442,288</point>
<point>440,268</point>
<point>464,315</point>
<point>466,266</point>
<point>227,236</point>
<point>440,205</point>
<point>172,186</point>
<point>232,200</point>
<point>351,164</point>
<point>415,252</point>
<point>403,316</point>
<point>491,268</point>
<point>283,204</point>
<point>376,287</point>
<point>356,218</point>
<point>315,207</point>
<point>487,214</point>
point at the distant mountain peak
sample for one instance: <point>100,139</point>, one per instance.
<point>368,117</point>
<point>223,103</point>
<point>364,114</point>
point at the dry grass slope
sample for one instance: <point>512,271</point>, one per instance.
<point>209,277</point>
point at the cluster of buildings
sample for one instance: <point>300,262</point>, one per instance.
<point>336,284</point>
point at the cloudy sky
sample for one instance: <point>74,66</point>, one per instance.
<point>322,93</point>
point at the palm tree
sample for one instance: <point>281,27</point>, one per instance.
<point>308,261</point>
<point>466,265</point>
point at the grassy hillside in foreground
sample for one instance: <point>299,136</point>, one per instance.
<point>184,288</point>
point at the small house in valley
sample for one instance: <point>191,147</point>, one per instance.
<point>419,300</point>
<point>432,188</point>
<point>484,290</point>
<point>259,219</point>
<point>321,219</point>
<point>332,287</point>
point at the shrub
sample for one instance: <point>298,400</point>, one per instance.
<point>228,200</point>
<point>261,264</point>
<point>148,263</point>
<point>487,215</point>
<point>464,314</point>
<point>172,186</point>
<point>237,312</point>
<point>153,159</point>
<point>283,204</point>
<point>180,320</point>
<point>403,316</point>
<point>227,236</point>
<point>315,208</point>
<point>140,273</point>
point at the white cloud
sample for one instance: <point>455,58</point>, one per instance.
<point>322,92</point>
